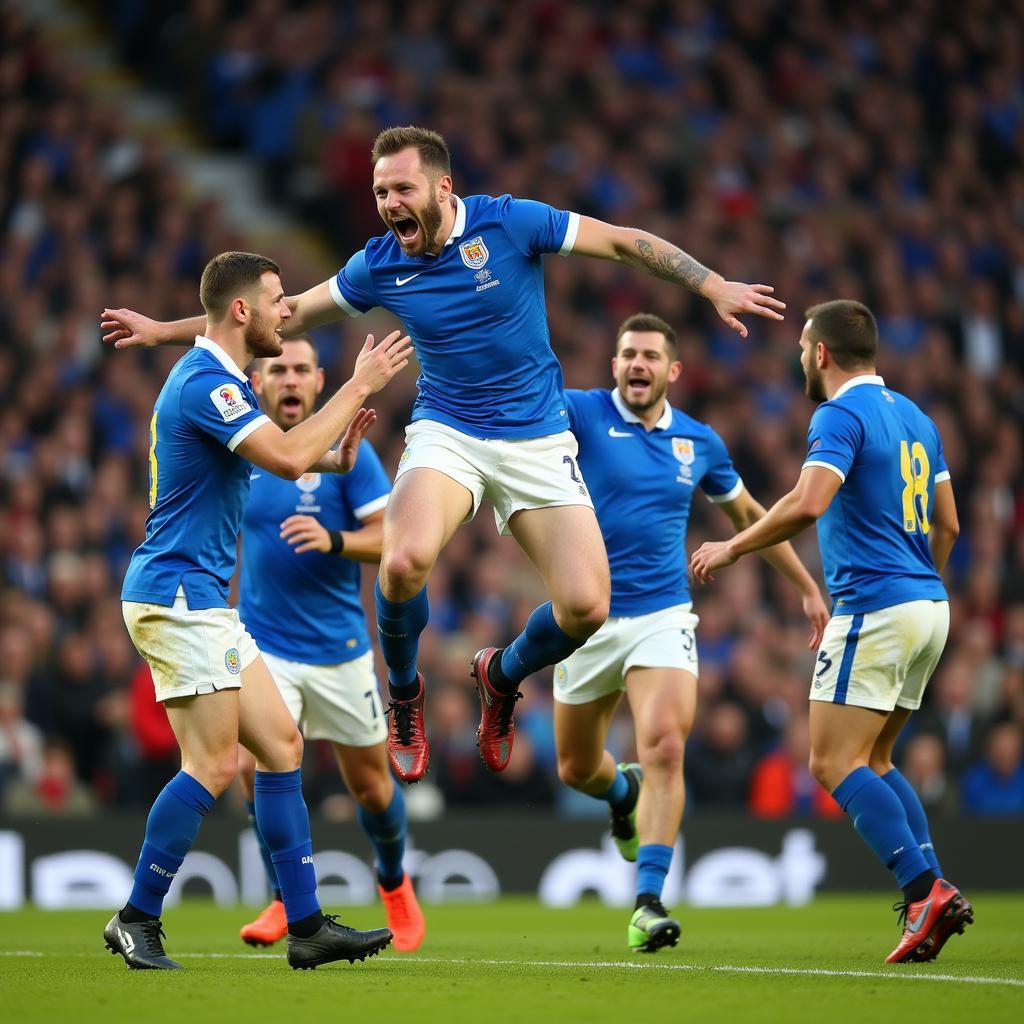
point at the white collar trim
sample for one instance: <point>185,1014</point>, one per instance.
<point>631,417</point>
<point>221,356</point>
<point>864,378</point>
<point>460,220</point>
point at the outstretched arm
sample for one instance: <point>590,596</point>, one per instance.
<point>126,328</point>
<point>790,515</point>
<point>662,259</point>
<point>744,510</point>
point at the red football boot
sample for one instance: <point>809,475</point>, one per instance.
<point>496,732</point>
<point>405,919</point>
<point>270,927</point>
<point>408,749</point>
<point>928,923</point>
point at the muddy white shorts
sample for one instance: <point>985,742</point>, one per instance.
<point>881,659</point>
<point>340,703</point>
<point>514,475</point>
<point>662,639</point>
<point>190,651</point>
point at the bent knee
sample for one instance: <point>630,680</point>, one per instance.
<point>664,750</point>
<point>576,773</point>
<point>373,795</point>
<point>215,772</point>
<point>584,616</point>
<point>406,568</point>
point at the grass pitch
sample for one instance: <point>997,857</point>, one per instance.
<point>516,961</point>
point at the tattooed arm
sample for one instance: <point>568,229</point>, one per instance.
<point>665,260</point>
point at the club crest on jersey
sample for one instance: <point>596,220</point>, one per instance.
<point>229,401</point>
<point>474,253</point>
<point>682,449</point>
<point>232,662</point>
<point>308,482</point>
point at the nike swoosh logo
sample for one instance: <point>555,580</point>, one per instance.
<point>612,432</point>
<point>916,926</point>
<point>255,476</point>
<point>405,280</point>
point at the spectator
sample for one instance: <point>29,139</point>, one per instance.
<point>995,785</point>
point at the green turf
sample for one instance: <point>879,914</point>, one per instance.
<point>514,961</point>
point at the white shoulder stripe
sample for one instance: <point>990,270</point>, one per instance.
<point>826,465</point>
<point>571,230</point>
<point>339,300</point>
<point>251,427</point>
<point>370,507</point>
<point>944,475</point>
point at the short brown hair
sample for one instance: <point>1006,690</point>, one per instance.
<point>430,145</point>
<point>847,329</point>
<point>649,322</point>
<point>227,275</point>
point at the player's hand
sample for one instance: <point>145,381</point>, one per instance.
<point>709,557</point>
<point>348,450</point>
<point>127,329</point>
<point>377,364</point>
<point>818,615</point>
<point>731,298</point>
<point>304,533</point>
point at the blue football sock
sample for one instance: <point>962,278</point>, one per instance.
<point>617,791</point>
<point>268,864</point>
<point>387,834</point>
<point>652,863</point>
<point>879,817</point>
<point>542,643</point>
<point>171,830</point>
<point>917,819</point>
<point>399,624</point>
<point>284,823</point>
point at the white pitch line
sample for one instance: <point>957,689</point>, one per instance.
<point>967,979</point>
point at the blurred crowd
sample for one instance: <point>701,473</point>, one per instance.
<point>861,150</point>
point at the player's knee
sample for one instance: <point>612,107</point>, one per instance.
<point>291,750</point>
<point>583,614</point>
<point>219,771</point>
<point>406,569</point>
<point>576,772</point>
<point>663,751</point>
<point>824,769</point>
<point>373,794</point>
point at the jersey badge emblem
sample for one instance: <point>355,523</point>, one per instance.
<point>229,401</point>
<point>682,449</point>
<point>232,662</point>
<point>474,253</point>
<point>308,482</point>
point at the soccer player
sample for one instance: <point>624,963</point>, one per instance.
<point>466,278</point>
<point>875,481</point>
<point>206,431</point>
<point>642,460</point>
<point>302,542</point>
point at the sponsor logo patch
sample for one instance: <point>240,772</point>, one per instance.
<point>229,401</point>
<point>232,662</point>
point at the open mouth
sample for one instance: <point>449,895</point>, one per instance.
<point>638,382</point>
<point>291,402</point>
<point>405,228</point>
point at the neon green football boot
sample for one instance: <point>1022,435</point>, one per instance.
<point>624,825</point>
<point>650,928</point>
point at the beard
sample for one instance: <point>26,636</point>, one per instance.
<point>260,338</point>
<point>430,218</point>
<point>655,396</point>
<point>814,384</point>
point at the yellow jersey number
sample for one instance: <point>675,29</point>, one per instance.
<point>915,470</point>
<point>153,461</point>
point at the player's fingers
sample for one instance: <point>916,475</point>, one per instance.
<point>368,344</point>
<point>764,311</point>
<point>736,326</point>
<point>307,546</point>
<point>390,340</point>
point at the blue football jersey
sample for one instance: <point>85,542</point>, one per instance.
<point>306,607</point>
<point>874,534</point>
<point>642,483</point>
<point>198,487</point>
<point>476,315</point>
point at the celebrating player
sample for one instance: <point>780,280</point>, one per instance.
<point>642,460</point>
<point>875,481</point>
<point>206,429</point>
<point>302,541</point>
<point>466,278</point>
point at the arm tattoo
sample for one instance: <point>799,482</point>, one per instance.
<point>671,264</point>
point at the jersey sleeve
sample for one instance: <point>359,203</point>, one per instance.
<point>720,482</point>
<point>367,487</point>
<point>351,288</point>
<point>536,228</point>
<point>574,408</point>
<point>216,404</point>
<point>833,439</point>
<point>941,469</point>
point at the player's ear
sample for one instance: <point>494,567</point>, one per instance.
<point>239,310</point>
<point>257,381</point>
<point>675,368</point>
<point>444,187</point>
<point>615,367</point>
<point>319,379</point>
<point>821,355</point>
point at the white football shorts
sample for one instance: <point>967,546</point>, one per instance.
<point>514,475</point>
<point>340,703</point>
<point>881,659</point>
<point>190,652</point>
<point>662,639</point>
